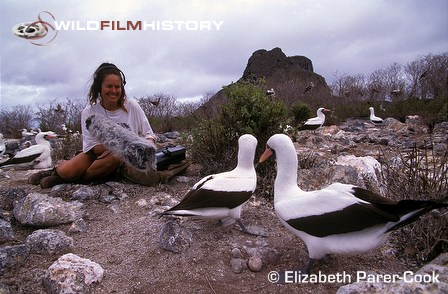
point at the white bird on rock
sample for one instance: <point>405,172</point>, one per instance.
<point>341,218</point>
<point>314,123</point>
<point>375,119</point>
<point>36,156</point>
<point>26,134</point>
<point>222,196</point>
<point>2,146</point>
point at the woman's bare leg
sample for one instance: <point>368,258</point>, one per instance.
<point>105,165</point>
<point>74,168</point>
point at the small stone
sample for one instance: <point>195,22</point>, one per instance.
<point>182,179</point>
<point>236,253</point>
<point>255,263</point>
<point>83,194</point>
<point>6,233</point>
<point>115,207</point>
<point>49,241</point>
<point>12,257</point>
<point>78,226</point>
<point>238,265</point>
<point>72,274</point>
<point>107,198</point>
<point>175,238</point>
<point>141,203</point>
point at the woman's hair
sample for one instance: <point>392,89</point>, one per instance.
<point>98,77</point>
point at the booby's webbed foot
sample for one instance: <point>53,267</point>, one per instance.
<point>309,265</point>
<point>293,276</point>
<point>252,230</point>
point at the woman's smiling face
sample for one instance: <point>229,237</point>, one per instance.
<point>111,90</point>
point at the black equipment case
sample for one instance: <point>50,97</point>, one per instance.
<point>169,155</point>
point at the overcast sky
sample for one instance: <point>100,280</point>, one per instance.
<point>169,53</point>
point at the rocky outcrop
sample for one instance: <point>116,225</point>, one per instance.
<point>291,77</point>
<point>265,64</point>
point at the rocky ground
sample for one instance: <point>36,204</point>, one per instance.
<point>121,234</point>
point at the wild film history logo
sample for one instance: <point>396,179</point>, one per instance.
<point>43,32</point>
<point>39,32</point>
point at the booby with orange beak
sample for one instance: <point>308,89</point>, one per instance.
<point>314,123</point>
<point>36,156</point>
<point>338,219</point>
<point>223,196</point>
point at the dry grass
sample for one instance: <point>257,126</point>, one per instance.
<point>419,174</point>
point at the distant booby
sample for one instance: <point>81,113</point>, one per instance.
<point>341,218</point>
<point>222,196</point>
<point>375,119</point>
<point>270,92</point>
<point>26,134</point>
<point>36,156</point>
<point>315,122</point>
<point>309,87</point>
<point>2,146</point>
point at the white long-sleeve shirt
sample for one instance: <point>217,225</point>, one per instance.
<point>135,120</point>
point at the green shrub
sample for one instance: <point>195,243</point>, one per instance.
<point>300,112</point>
<point>248,111</point>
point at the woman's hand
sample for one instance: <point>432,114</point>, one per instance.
<point>151,139</point>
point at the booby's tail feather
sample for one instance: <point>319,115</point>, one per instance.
<point>413,209</point>
<point>20,160</point>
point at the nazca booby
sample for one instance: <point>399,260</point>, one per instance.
<point>26,134</point>
<point>2,146</point>
<point>36,156</point>
<point>338,219</point>
<point>375,119</point>
<point>222,196</point>
<point>314,123</point>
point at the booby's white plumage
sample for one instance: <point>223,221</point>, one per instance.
<point>36,156</point>
<point>315,122</point>
<point>375,119</point>
<point>222,196</point>
<point>26,134</point>
<point>339,219</point>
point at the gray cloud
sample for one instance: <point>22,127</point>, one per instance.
<point>345,36</point>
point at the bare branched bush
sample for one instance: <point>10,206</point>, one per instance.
<point>421,175</point>
<point>307,160</point>
<point>160,108</point>
<point>54,114</point>
<point>418,88</point>
<point>66,147</point>
<point>15,119</point>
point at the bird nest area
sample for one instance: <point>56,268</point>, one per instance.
<point>122,237</point>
